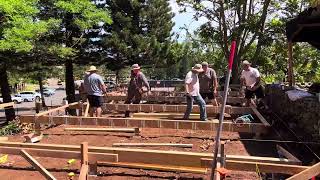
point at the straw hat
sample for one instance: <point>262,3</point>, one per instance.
<point>92,68</point>
<point>135,66</point>
<point>245,62</point>
<point>197,67</point>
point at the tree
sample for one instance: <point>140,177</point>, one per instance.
<point>19,30</point>
<point>78,18</point>
<point>140,33</point>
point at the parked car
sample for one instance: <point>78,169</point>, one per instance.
<point>47,91</point>
<point>29,96</point>
<point>15,99</point>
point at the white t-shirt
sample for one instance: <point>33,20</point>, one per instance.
<point>250,76</point>
<point>192,81</point>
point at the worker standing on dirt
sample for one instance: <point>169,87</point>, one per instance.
<point>135,91</point>
<point>208,84</point>
<point>193,92</point>
<point>251,83</point>
<point>95,88</point>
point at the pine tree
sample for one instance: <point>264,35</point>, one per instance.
<point>140,33</point>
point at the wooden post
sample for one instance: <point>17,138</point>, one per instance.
<point>84,153</point>
<point>290,64</point>
<point>223,157</point>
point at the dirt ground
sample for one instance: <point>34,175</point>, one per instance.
<point>17,168</point>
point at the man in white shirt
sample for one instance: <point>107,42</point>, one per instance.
<point>193,92</point>
<point>250,78</point>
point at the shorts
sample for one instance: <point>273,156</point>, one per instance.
<point>95,101</point>
<point>210,95</point>
<point>258,92</point>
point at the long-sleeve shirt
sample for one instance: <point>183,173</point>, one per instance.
<point>138,81</point>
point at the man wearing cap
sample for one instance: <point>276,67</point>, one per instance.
<point>208,83</point>
<point>95,88</point>
<point>193,92</point>
<point>251,82</point>
<point>135,91</point>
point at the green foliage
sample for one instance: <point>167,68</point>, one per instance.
<point>10,129</point>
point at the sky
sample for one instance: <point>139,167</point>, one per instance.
<point>184,19</point>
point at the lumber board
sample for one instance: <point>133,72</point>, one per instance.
<point>127,130</point>
<point>4,105</point>
<point>151,144</point>
<point>87,110</point>
<point>259,115</point>
<point>56,109</point>
<point>4,138</point>
<point>84,153</point>
<point>63,154</point>
<point>287,154</point>
<point>237,165</point>
<point>148,156</point>
<point>165,115</point>
<point>307,173</point>
<point>37,165</point>
<point>149,123</point>
<point>155,167</point>
<point>171,99</point>
<point>173,108</point>
<point>84,172</point>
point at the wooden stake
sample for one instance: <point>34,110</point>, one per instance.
<point>87,110</point>
<point>84,153</point>
<point>84,172</point>
<point>152,144</point>
<point>37,165</point>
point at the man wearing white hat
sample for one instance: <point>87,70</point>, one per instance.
<point>95,88</point>
<point>250,78</point>
<point>137,82</point>
<point>193,92</point>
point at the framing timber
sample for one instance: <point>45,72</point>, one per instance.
<point>148,123</point>
<point>257,113</point>
<point>287,154</point>
<point>56,109</point>
<point>263,167</point>
<point>84,172</point>
<point>63,154</point>
<point>127,130</point>
<point>146,156</point>
<point>151,144</point>
<point>84,153</point>
<point>87,110</point>
<point>173,108</point>
<point>170,99</point>
<point>155,167</point>
<point>37,165</point>
<point>308,173</point>
<point>5,105</point>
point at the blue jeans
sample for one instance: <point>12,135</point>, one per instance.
<point>202,105</point>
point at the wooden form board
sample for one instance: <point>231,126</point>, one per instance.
<point>56,109</point>
<point>152,144</point>
<point>127,130</point>
<point>37,165</point>
<point>287,154</point>
<point>60,153</point>
<point>171,99</point>
<point>4,105</point>
<point>148,123</point>
<point>313,171</point>
<point>146,156</point>
<point>259,115</point>
<point>173,108</point>
<point>266,167</point>
<point>155,167</point>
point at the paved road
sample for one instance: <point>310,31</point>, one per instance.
<point>25,107</point>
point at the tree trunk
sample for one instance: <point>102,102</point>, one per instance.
<point>6,93</point>
<point>70,89</point>
<point>41,90</point>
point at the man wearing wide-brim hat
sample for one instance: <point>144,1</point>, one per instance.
<point>95,88</point>
<point>135,88</point>
<point>251,82</point>
<point>193,92</point>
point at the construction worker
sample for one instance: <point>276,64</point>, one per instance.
<point>208,84</point>
<point>137,82</point>
<point>193,92</point>
<point>95,88</point>
<point>251,83</point>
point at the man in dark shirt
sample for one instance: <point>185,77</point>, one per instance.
<point>208,84</point>
<point>135,91</point>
